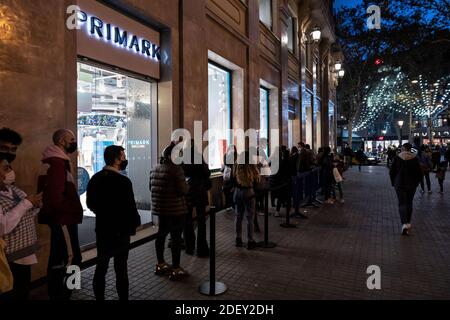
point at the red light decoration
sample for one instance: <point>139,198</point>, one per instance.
<point>378,61</point>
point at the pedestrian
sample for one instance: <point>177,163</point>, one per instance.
<point>447,155</point>
<point>348,153</point>
<point>338,177</point>
<point>440,175</point>
<point>391,153</point>
<point>245,175</point>
<point>18,229</point>
<point>198,179</point>
<point>435,158</point>
<point>405,175</point>
<point>61,211</point>
<point>326,164</point>
<point>425,165</point>
<point>361,158</point>
<point>10,141</point>
<point>168,189</point>
<point>280,182</point>
<point>110,196</point>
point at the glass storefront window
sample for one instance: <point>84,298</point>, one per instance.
<point>291,31</point>
<point>265,12</point>
<point>263,113</point>
<point>113,109</point>
<point>219,112</point>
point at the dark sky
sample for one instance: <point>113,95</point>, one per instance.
<point>348,3</point>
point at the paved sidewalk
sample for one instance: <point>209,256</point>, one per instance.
<point>326,257</point>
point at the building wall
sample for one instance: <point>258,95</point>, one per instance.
<point>38,77</point>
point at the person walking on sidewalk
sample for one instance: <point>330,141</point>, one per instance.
<point>110,196</point>
<point>61,211</point>
<point>361,158</point>
<point>168,189</point>
<point>425,165</point>
<point>440,175</point>
<point>197,176</point>
<point>245,175</point>
<point>348,153</point>
<point>405,175</point>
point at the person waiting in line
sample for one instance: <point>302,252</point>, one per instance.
<point>61,211</point>
<point>338,177</point>
<point>405,174</point>
<point>110,196</point>
<point>245,177</point>
<point>440,175</point>
<point>18,228</point>
<point>326,164</point>
<point>229,160</point>
<point>168,189</point>
<point>280,182</point>
<point>10,141</point>
<point>425,165</point>
<point>197,176</point>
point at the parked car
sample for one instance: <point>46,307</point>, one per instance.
<point>372,159</point>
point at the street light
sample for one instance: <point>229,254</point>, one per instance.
<point>316,34</point>
<point>337,66</point>
<point>400,124</point>
<point>341,73</point>
<point>383,132</point>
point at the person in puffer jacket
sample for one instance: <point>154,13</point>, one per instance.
<point>405,174</point>
<point>168,189</point>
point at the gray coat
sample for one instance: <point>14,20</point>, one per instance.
<point>168,189</point>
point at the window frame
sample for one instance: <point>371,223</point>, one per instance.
<point>271,15</point>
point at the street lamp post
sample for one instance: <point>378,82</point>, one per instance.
<point>400,124</point>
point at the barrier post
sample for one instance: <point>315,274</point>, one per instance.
<point>266,243</point>
<point>211,287</point>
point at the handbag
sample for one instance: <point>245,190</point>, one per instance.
<point>6,277</point>
<point>337,175</point>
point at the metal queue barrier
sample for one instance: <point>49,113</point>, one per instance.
<point>212,287</point>
<point>266,243</point>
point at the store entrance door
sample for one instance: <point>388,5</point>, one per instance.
<point>113,109</point>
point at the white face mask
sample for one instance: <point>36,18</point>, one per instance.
<point>10,178</point>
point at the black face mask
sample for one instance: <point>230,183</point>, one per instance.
<point>123,165</point>
<point>72,147</point>
<point>10,157</point>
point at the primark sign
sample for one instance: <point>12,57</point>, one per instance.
<point>106,35</point>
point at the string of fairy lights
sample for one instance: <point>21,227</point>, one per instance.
<point>402,95</point>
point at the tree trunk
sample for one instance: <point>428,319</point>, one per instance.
<point>350,133</point>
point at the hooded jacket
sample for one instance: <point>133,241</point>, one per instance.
<point>405,172</point>
<point>61,203</point>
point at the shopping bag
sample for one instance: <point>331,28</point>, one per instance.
<point>6,277</point>
<point>337,175</point>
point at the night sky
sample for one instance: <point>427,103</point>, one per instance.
<point>348,3</point>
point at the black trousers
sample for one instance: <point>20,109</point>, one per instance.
<point>173,225</point>
<point>405,203</point>
<point>189,233</point>
<point>117,247</point>
<point>441,184</point>
<point>59,259</point>
<point>426,177</point>
<point>21,283</point>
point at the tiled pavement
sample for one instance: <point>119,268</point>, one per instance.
<point>326,257</point>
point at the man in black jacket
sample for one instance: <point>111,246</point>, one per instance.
<point>405,174</point>
<point>110,196</point>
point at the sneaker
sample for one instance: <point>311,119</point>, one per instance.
<point>408,225</point>
<point>239,242</point>
<point>178,274</point>
<point>162,269</point>
<point>251,245</point>
<point>404,230</point>
<point>342,201</point>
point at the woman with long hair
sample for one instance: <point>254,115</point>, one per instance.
<point>245,176</point>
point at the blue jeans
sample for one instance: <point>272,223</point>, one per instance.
<point>244,200</point>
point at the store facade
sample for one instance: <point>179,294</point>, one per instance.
<point>136,70</point>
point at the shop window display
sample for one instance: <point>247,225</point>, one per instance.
<point>219,112</point>
<point>113,109</point>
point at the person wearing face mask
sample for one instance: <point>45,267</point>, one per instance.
<point>110,196</point>
<point>61,211</point>
<point>18,229</point>
<point>10,141</point>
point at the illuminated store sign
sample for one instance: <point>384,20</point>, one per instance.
<point>116,36</point>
